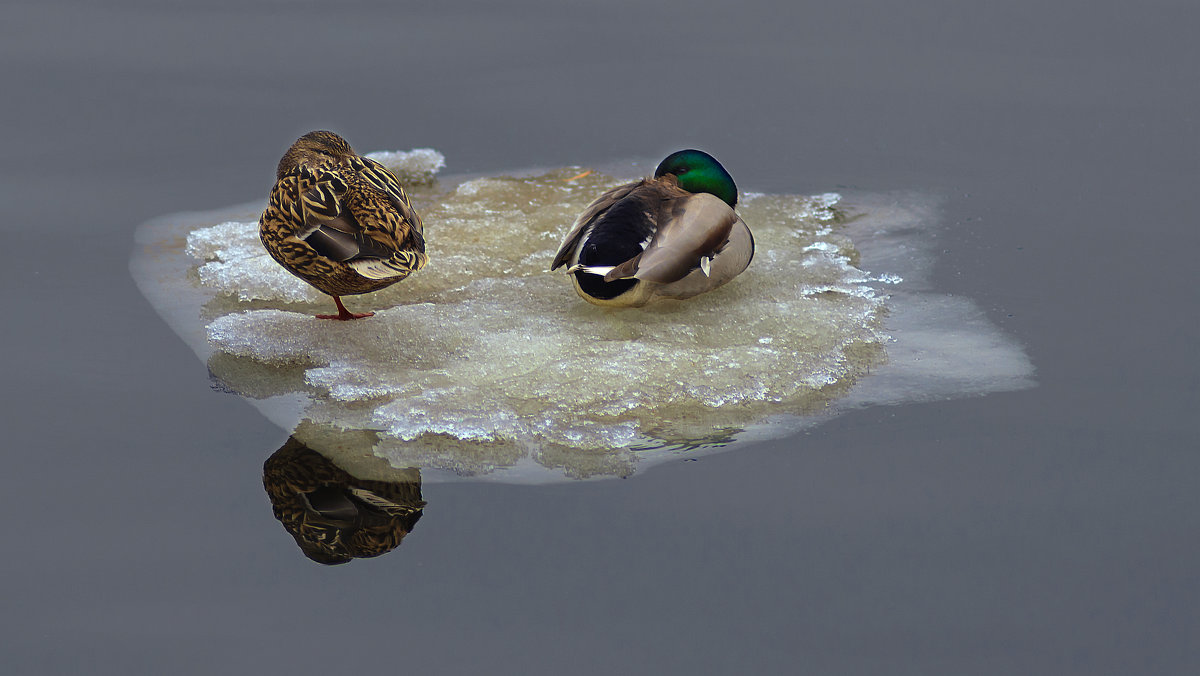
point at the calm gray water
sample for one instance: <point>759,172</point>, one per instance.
<point>1046,531</point>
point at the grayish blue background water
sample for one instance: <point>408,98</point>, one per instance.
<point>1052,530</point>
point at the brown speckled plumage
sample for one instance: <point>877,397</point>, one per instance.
<point>339,221</point>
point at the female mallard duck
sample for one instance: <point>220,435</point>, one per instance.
<point>675,235</point>
<point>340,222</point>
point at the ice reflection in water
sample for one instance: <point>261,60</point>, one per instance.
<point>485,360</point>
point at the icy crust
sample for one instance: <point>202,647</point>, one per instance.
<point>418,166</point>
<point>236,264</point>
<point>485,358</point>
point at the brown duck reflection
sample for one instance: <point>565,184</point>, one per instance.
<point>334,516</point>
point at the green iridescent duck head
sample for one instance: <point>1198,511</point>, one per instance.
<point>697,171</point>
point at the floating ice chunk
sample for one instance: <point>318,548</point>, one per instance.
<point>484,360</point>
<point>491,348</point>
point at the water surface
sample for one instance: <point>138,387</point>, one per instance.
<point>1044,530</point>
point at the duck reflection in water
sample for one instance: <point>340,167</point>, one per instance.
<point>334,516</point>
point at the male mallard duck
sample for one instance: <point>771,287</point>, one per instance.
<point>675,235</point>
<point>340,222</point>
